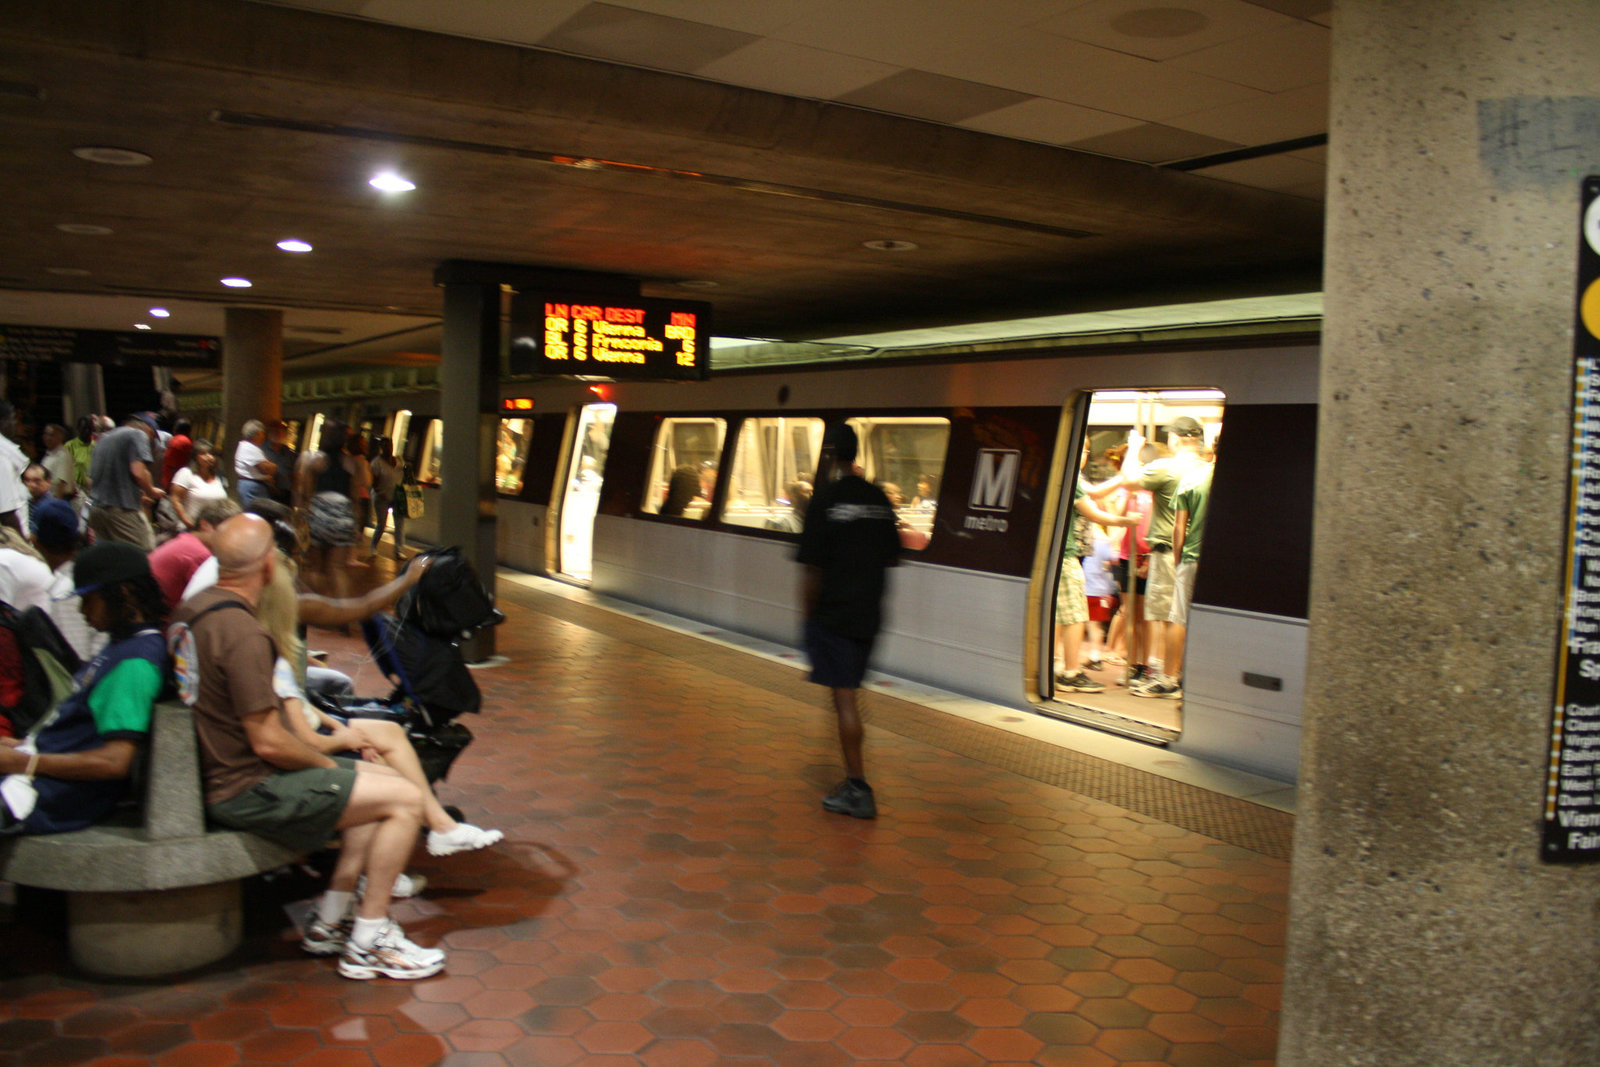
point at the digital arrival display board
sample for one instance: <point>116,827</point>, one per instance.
<point>625,338</point>
<point>1572,792</point>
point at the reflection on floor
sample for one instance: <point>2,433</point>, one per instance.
<point>671,893</point>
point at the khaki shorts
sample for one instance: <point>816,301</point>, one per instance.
<point>121,524</point>
<point>298,809</point>
<point>1183,592</point>
<point>1158,590</point>
<point>1071,605</point>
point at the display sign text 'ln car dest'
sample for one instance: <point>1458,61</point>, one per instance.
<point>627,338</point>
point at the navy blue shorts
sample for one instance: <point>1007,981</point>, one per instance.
<point>837,662</point>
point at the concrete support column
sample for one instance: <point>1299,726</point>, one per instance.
<point>252,370</point>
<point>469,404</point>
<point>1423,927</point>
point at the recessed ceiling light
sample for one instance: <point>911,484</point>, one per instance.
<point>236,283</point>
<point>294,244</point>
<point>159,313</point>
<point>889,245</point>
<point>115,157</point>
<point>84,228</point>
<point>390,182</point>
<point>67,272</point>
<point>141,326</point>
<point>698,283</point>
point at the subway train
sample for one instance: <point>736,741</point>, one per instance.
<point>685,497</point>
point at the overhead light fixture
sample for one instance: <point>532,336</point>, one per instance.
<point>160,313</point>
<point>84,229</point>
<point>698,283</point>
<point>236,283</point>
<point>141,326</point>
<point>112,157</point>
<point>390,182</point>
<point>890,245</point>
<point>294,244</point>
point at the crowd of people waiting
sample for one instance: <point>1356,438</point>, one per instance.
<point>125,547</point>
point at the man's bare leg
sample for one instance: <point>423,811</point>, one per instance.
<point>850,731</point>
<point>385,816</point>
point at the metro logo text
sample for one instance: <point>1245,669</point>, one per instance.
<point>994,479</point>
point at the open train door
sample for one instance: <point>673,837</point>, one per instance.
<point>1103,634</point>
<point>580,493</point>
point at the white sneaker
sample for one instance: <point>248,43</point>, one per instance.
<point>405,885</point>
<point>392,956</point>
<point>464,838</point>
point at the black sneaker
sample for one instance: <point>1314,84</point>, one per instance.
<point>1079,683</point>
<point>851,799</point>
<point>1138,674</point>
<point>1160,690</point>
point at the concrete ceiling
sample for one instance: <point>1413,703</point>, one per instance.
<point>1042,156</point>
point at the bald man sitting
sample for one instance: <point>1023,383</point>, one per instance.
<point>260,777</point>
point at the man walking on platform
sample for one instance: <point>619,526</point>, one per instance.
<point>850,538</point>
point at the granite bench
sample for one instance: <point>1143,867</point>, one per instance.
<point>155,896</point>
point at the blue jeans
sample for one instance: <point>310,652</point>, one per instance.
<point>251,491</point>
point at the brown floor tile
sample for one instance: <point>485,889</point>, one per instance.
<point>671,894</point>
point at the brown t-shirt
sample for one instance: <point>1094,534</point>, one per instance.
<point>235,658</point>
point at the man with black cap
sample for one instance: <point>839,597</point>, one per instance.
<point>55,535</point>
<point>77,767</point>
<point>849,539</point>
<point>1163,477</point>
<point>120,482</point>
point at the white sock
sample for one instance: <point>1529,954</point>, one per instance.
<point>366,931</point>
<point>333,905</point>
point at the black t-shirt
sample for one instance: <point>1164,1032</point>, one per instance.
<point>851,534</point>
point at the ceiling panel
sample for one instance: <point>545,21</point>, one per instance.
<point>932,96</point>
<point>1161,30</point>
<point>624,35</point>
<point>795,70</point>
<point>1288,57</point>
<point>1089,76</point>
<point>1153,143</point>
<point>1286,173</point>
<point>1049,121</point>
<point>1279,117</point>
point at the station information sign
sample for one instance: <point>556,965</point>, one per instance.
<point>1571,832</point>
<point>626,338</point>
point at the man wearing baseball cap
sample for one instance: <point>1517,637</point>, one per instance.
<point>55,535</point>
<point>1163,478</point>
<point>120,482</point>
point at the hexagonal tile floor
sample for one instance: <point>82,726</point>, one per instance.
<point>671,893</point>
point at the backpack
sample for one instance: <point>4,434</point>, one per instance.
<point>48,664</point>
<point>448,602</point>
<point>185,660</point>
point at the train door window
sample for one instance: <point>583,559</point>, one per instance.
<point>773,469</point>
<point>1122,592</point>
<point>683,466</point>
<point>432,454</point>
<point>904,456</point>
<point>511,454</point>
<point>399,430</point>
<point>581,498</point>
<point>293,427</point>
<point>313,435</point>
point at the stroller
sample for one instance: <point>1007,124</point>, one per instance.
<point>418,650</point>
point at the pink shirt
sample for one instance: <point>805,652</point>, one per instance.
<point>174,563</point>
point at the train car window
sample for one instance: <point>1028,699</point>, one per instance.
<point>294,426</point>
<point>314,434</point>
<point>904,456</point>
<point>683,467</point>
<point>511,455</point>
<point>773,469</point>
<point>432,454</point>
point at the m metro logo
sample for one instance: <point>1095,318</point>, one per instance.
<point>994,479</point>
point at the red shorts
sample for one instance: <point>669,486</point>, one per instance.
<point>1101,608</point>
